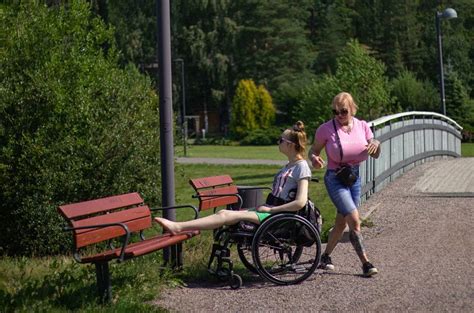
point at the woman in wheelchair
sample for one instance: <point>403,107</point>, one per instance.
<point>295,175</point>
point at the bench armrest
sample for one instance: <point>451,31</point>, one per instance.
<point>196,213</point>
<point>125,241</point>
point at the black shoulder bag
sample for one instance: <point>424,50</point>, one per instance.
<point>345,172</point>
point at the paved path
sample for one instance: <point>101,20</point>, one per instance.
<point>421,242</point>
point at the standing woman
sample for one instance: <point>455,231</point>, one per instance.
<point>348,141</point>
<point>295,175</point>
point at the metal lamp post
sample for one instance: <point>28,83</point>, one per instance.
<point>184,128</point>
<point>446,14</point>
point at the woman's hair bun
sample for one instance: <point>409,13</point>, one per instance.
<point>299,126</point>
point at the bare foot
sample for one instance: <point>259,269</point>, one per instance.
<point>168,226</point>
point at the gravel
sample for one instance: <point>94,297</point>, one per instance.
<point>421,243</point>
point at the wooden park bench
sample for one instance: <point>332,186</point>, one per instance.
<point>98,225</point>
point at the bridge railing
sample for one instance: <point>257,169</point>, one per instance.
<point>407,140</point>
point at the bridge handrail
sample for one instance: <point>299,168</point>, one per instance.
<point>408,142</point>
<point>384,119</point>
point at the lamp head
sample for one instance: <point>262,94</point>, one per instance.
<point>449,13</point>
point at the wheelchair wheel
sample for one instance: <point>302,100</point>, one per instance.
<point>245,254</point>
<point>286,249</point>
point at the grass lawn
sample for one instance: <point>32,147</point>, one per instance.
<point>231,152</point>
<point>467,150</point>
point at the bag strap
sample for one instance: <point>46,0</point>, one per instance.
<point>338,139</point>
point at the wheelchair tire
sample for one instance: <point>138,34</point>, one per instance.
<point>235,281</point>
<point>279,254</point>
<point>245,255</point>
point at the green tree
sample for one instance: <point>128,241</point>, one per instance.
<point>244,106</point>
<point>73,125</point>
<point>364,77</point>
<point>411,94</point>
<point>458,105</point>
<point>265,111</point>
<point>356,72</point>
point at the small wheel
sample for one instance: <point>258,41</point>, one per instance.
<point>235,281</point>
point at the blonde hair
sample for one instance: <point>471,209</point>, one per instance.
<point>297,135</point>
<point>343,98</point>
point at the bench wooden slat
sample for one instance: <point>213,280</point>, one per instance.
<point>114,217</point>
<point>107,233</point>
<point>143,247</point>
<point>75,210</point>
<point>208,182</point>
<point>206,202</point>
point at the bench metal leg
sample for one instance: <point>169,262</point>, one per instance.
<point>103,281</point>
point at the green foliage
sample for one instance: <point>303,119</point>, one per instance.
<point>244,107</point>
<point>62,285</point>
<point>363,76</point>
<point>358,73</point>
<point>458,105</point>
<point>252,109</point>
<point>411,94</point>
<point>265,111</point>
<point>314,106</point>
<point>262,137</point>
<point>73,125</point>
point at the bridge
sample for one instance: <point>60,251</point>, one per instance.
<point>419,235</point>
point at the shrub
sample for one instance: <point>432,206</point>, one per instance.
<point>73,125</point>
<point>252,109</point>
<point>262,137</point>
<point>265,111</point>
<point>244,106</point>
<point>411,94</point>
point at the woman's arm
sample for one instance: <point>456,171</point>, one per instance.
<point>313,154</point>
<point>373,148</point>
<point>293,206</point>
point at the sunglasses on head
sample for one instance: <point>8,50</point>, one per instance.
<point>342,112</point>
<point>281,139</point>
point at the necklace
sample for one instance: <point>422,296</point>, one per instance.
<point>347,128</point>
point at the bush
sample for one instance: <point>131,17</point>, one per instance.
<point>73,126</point>
<point>252,109</point>
<point>412,95</point>
<point>262,137</point>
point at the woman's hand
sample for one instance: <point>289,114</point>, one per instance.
<point>373,148</point>
<point>264,209</point>
<point>317,161</point>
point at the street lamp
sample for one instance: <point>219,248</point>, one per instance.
<point>447,14</point>
<point>184,128</point>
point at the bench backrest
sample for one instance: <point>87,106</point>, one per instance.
<point>208,190</point>
<point>127,209</point>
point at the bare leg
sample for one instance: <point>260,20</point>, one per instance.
<point>223,217</point>
<point>355,235</point>
<point>335,234</point>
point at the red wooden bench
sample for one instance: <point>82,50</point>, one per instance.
<point>96,224</point>
<point>215,191</point>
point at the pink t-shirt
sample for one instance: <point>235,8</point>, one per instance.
<point>353,144</point>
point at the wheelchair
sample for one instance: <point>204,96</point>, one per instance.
<point>284,249</point>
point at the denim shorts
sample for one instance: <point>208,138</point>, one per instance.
<point>346,199</point>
